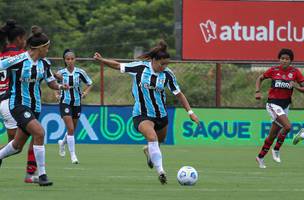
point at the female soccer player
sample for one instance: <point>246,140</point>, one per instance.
<point>15,35</point>
<point>279,99</point>
<point>70,100</point>
<point>150,77</point>
<point>28,70</point>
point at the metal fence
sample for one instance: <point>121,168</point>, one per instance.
<point>205,84</point>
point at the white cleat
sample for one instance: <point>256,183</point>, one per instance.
<point>74,159</point>
<point>261,163</point>
<point>61,148</point>
<point>276,156</point>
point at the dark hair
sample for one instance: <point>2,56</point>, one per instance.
<point>286,52</point>
<point>37,38</point>
<point>158,52</point>
<point>11,30</point>
<point>65,52</point>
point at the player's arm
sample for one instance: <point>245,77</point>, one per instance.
<point>12,62</point>
<point>86,91</point>
<point>299,87</point>
<point>183,100</point>
<point>111,63</point>
<point>55,86</point>
<point>258,83</point>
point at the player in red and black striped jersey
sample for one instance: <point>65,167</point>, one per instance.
<point>279,98</point>
<point>16,37</point>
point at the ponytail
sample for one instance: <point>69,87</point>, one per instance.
<point>158,52</point>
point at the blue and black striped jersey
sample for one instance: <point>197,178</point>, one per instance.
<point>148,88</point>
<point>26,77</point>
<point>73,79</point>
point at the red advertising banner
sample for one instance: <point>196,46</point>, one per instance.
<point>242,30</point>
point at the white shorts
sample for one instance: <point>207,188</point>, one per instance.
<point>276,111</point>
<point>5,114</point>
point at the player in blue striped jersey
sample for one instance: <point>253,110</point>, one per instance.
<point>28,70</point>
<point>70,100</point>
<point>150,78</point>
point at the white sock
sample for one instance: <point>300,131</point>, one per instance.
<point>65,138</point>
<point>156,156</point>
<point>39,151</point>
<point>71,144</point>
<point>8,150</point>
<point>302,135</point>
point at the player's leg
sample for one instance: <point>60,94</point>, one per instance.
<point>283,120</point>
<point>37,132</point>
<point>15,146</point>
<point>64,111</point>
<point>70,137</point>
<point>146,127</point>
<point>275,128</point>
<point>31,175</point>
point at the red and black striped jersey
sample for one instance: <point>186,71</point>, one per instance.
<point>8,51</point>
<point>281,90</point>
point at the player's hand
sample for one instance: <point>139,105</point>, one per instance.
<point>97,56</point>
<point>258,95</point>
<point>84,94</point>
<point>293,84</point>
<point>65,87</point>
<point>194,118</point>
<point>57,97</point>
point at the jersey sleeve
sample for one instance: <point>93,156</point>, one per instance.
<point>299,76</point>
<point>85,78</point>
<point>12,62</point>
<point>48,75</point>
<point>172,83</point>
<point>268,73</point>
<point>130,68</point>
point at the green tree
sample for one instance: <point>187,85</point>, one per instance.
<point>117,27</point>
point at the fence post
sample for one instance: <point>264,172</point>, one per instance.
<point>101,84</point>
<point>218,83</point>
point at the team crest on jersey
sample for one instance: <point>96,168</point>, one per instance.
<point>290,75</point>
<point>66,110</point>
<point>27,115</point>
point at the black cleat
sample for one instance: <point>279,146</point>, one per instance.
<point>163,179</point>
<point>0,162</point>
<point>146,152</point>
<point>44,181</point>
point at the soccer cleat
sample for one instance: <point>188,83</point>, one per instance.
<point>31,178</point>
<point>61,148</point>
<point>261,163</point>
<point>44,181</point>
<point>297,138</point>
<point>163,178</point>
<point>0,162</point>
<point>146,152</point>
<point>276,155</point>
<point>74,159</point>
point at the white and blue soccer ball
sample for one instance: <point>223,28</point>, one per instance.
<point>187,175</point>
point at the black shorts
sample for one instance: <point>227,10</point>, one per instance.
<point>160,123</point>
<point>23,115</point>
<point>67,110</point>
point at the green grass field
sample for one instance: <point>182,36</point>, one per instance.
<point>117,172</point>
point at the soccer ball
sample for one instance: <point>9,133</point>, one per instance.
<point>187,175</point>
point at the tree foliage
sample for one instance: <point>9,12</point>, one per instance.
<point>113,27</point>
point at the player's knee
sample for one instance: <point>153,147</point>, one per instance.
<point>287,127</point>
